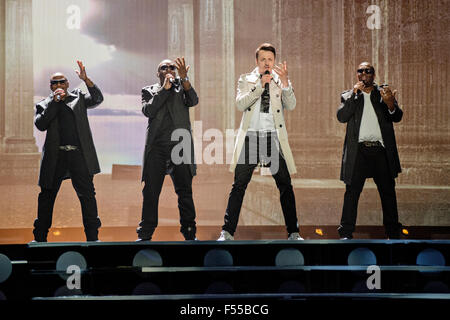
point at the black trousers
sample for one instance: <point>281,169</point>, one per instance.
<point>82,181</point>
<point>158,165</point>
<point>261,150</point>
<point>371,162</point>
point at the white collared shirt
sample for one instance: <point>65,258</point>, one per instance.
<point>370,128</point>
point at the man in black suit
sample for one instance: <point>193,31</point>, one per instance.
<point>166,105</point>
<point>370,149</point>
<point>68,152</point>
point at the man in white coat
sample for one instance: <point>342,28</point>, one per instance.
<point>262,140</point>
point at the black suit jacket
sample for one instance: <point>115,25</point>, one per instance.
<point>350,112</point>
<point>46,120</point>
<point>178,101</point>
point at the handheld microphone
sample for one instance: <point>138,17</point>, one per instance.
<point>359,90</point>
<point>266,86</point>
<point>58,97</point>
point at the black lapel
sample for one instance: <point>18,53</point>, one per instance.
<point>375,98</point>
<point>72,99</point>
<point>358,113</point>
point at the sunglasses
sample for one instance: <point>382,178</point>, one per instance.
<point>55,82</point>
<point>367,71</point>
<point>165,67</point>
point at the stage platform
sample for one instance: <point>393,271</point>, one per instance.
<point>212,232</point>
<point>211,273</point>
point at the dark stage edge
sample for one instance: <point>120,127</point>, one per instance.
<point>281,274</point>
<point>211,233</point>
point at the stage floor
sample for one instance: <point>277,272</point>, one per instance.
<point>172,233</point>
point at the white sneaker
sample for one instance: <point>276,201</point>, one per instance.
<point>225,235</point>
<point>295,236</point>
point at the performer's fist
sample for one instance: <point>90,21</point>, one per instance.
<point>358,86</point>
<point>58,95</point>
<point>167,81</point>
<point>266,78</point>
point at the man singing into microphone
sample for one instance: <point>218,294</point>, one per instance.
<point>68,152</point>
<point>262,95</point>
<point>370,149</point>
<point>166,105</point>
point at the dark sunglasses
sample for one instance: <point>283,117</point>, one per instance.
<point>367,70</point>
<point>54,82</point>
<point>165,67</point>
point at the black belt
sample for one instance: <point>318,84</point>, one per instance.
<point>371,143</point>
<point>68,147</point>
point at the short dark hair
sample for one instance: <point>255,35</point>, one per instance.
<point>266,47</point>
<point>370,65</point>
